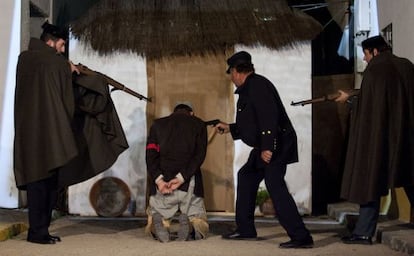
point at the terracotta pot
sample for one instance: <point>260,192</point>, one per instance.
<point>267,208</point>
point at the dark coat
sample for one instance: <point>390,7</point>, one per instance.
<point>43,113</point>
<point>262,121</point>
<point>98,131</point>
<point>177,144</point>
<point>380,152</point>
<point>49,133</point>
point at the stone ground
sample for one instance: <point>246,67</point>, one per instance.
<point>125,236</point>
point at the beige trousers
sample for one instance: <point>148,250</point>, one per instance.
<point>186,202</point>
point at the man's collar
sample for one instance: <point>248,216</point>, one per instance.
<point>240,88</point>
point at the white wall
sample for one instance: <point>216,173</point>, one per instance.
<point>130,70</point>
<point>289,70</point>
<point>401,14</point>
<point>9,51</point>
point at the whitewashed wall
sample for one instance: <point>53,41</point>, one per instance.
<point>290,71</point>
<point>400,14</point>
<point>9,51</point>
<point>130,70</point>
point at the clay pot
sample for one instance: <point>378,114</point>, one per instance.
<point>267,208</point>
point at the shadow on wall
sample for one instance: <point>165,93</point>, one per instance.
<point>138,171</point>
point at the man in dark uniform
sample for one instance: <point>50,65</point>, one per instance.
<point>176,148</point>
<point>262,123</point>
<point>381,146</point>
<point>44,107</point>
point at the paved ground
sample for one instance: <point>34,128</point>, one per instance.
<point>125,236</point>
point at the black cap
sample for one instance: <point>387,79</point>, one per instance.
<point>377,42</point>
<point>54,30</point>
<point>237,59</point>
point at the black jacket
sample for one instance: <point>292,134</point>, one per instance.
<point>177,144</point>
<point>261,120</point>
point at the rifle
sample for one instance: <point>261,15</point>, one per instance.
<point>212,122</point>
<point>328,97</point>
<point>117,85</point>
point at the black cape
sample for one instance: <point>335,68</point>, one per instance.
<point>43,113</point>
<point>380,153</point>
<point>50,132</point>
<point>98,131</point>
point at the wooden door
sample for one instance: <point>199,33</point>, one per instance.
<point>202,81</point>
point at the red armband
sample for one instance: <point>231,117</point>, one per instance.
<point>153,146</point>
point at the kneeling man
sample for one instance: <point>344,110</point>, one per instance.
<point>176,148</point>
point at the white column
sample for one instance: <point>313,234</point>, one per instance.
<point>366,25</point>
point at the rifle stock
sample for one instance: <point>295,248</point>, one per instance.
<point>328,97</point>
<point>117,85</point>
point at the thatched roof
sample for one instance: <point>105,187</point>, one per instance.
<point>163,28</point>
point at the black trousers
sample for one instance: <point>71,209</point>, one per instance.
<point>369,213</point>
<point>249,178</point>
<point>41,199</point>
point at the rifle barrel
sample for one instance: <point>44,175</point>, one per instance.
<point>117,85</point>
<point>329,97</point>
<point>122,87</point>
<point>305,102</point>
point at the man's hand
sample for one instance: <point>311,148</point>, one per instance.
<point>174,184</point>
<point>74,68</point>
<point>343,96</point>
<point>222,128</point>
<point>163,187</point>
<point>266,155</point>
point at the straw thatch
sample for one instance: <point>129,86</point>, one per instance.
<point>163,28</point>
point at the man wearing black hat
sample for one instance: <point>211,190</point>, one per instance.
<point>381,146</point>
<point>44,141</point>
<point>262,123</point>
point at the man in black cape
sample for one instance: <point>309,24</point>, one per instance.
<point>380,152</point>
<point>51,149</point>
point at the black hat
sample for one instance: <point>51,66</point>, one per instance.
<point>54,30</point>
<point>237,59</point>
